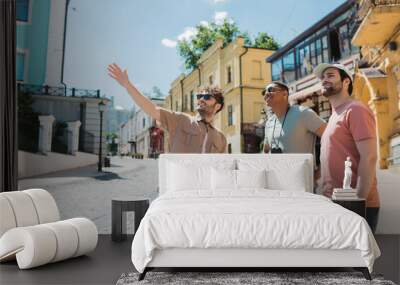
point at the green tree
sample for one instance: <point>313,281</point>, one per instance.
<point>28,123</point>
<point>206,35</point>
<point>263,40</point>
<point>247,38</point>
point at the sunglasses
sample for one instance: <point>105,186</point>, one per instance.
<point>271,91</point>
<point>204,96</point>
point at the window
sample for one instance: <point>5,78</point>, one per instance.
<point>313,54</point>
<point>176,105</point>
<point>325,52</point>
<point>318,51</point>
<point>334,45</point>
<point>256,69</point>
<point>344,41</point>
<point>306,67</point>
<point>184,103</point>
<point>230,115</point>
<point>229,148</point>
<point>288,67</point>
<point>143,122</point>
<point>300,57</point>
<point>20,66</point>
<point>277,70</point>
<point>192,106</point>
<point>22,10</point>
<point>229,74</point>
<point>211,80</point>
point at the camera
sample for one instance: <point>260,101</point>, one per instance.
<point>276,150</point>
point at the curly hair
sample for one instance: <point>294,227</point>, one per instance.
<point>216,92</point>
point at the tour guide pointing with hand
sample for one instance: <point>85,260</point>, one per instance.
<point>188,134</point>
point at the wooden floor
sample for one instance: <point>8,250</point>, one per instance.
<point>111,259</point>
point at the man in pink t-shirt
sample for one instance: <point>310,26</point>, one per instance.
<point>351,132</point>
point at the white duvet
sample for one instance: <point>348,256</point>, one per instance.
<point>253,218</point>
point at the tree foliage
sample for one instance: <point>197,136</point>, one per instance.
<point>206,34</point>
<point>263,40</point>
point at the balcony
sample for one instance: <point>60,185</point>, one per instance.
<point>379,18</point>
<point>57,91</point>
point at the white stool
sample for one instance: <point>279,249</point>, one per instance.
<point>31,231</point>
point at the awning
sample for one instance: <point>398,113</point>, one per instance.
<point>307,92</point>
<point>372,72</point>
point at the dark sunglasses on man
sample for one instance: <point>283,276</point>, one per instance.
<point>205,96</point>
<point>270,91</point>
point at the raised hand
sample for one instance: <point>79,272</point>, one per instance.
<point>120,76</point>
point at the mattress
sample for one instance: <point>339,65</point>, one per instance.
<point>250,219</point>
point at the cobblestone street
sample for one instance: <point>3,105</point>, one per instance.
<point>88,193</point>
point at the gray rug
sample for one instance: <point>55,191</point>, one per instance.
<point>229,278</point>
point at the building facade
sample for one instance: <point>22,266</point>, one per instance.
<point>40,41</point>
<point>241,72</point>
<point>377,78</point>
<point>41,35</point>
<point>141,135</point>
<point>328,40</point>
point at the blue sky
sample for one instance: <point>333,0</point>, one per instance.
<point>140,35</point>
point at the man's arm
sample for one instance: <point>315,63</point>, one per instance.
<point>143,102</point>
<point>313,122</point>
<point>367,166</point>
<point>319,132</point>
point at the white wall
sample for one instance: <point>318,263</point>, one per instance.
<point>389,191</point>
<point>55,43</point>
<point>32,164</point>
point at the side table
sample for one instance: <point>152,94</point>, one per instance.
<point>119,207</point>
<point>356,205</point>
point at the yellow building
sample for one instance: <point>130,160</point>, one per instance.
<point>241,72</point>
<point>377,77</point>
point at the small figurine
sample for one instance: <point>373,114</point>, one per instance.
<point>347,174</point>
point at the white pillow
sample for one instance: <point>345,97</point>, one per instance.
<point>183,177</point>
<point>282,174</point>
<point>223,179</point>
<point>187,175</point>
<point>294,180</point>
<point>251,178</point>
<point>226,179</point>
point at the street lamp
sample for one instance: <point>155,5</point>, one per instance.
<point>102,108</point>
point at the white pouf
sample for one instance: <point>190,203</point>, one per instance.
<point>31,232</point>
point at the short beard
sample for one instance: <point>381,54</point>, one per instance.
<point>332,90</point>
<point>206,112</point>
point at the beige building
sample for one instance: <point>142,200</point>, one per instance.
<point>241,72</point>
<point>377,80</point>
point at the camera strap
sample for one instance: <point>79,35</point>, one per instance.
<point>273,130</point>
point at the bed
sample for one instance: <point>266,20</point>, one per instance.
<point>245,211</point>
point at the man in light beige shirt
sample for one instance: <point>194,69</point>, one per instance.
<point>188,134</point>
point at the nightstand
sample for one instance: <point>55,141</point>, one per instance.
<point>356,205</point>
<point>118,215</point>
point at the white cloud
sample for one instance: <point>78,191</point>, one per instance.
<point>218,1</point>
<point>204,23</point>
<point>169,43</point>
<point>119,108</point>
<point>187,34</point>
<point>219,17</point>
